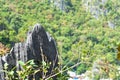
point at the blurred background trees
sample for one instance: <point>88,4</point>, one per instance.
<point>85,30</point>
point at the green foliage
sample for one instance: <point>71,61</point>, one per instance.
<point>28,68</point>
<point>82,68</point>
<point>79,36</point>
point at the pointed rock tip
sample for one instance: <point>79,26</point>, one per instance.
<point>38,27</point>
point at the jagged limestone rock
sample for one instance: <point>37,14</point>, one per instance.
<point>38,42</point>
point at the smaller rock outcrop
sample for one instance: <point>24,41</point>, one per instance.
<point>39,44</point>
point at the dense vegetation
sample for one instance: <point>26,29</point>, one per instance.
<point>80,37</point>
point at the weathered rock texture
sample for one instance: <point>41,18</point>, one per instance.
<point>37,40</point>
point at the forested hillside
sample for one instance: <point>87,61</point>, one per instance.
<point>87,32</point>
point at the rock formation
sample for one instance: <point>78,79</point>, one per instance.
<point>38,42</point>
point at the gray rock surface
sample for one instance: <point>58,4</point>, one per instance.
<point>38,41</point>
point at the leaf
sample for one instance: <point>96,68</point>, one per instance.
<point>32,62</point>
<point>21,63</point>
<point>118,55</point>
<point>118,48</point>
<point>11,72</point>
<point>5,65</point>
<point>43,63</point>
